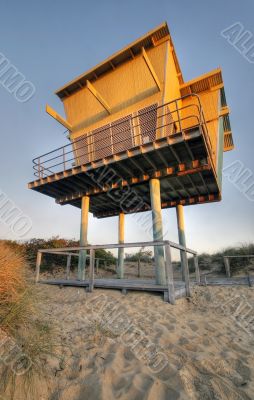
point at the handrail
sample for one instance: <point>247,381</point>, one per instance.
<point>120,246</point>
<point>101,148</point>
<point>60,156</point>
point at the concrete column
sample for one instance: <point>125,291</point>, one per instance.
<point>120,267</point>
<point>83,236</point>
<point>181,233</point>
<point>157,231</point>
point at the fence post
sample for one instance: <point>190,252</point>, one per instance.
<point>197,269</point>
<point>186,273</point>
<point>38,265</point>
<point>97,265</point>
<point>68,266</point>
<point>227,267</point>
<point>91,272</point>
<point>170,276</point>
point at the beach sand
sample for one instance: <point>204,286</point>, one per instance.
<point>136,346</point>
<point>107,345</point>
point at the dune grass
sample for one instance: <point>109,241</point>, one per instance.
<point>25,339</point>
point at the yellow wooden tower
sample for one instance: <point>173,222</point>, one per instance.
<point>141,138</point>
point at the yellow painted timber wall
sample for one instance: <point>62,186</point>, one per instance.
<point>126,89</point>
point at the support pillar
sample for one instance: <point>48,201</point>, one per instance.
<point>181,234</point>
<point>120,267</point>
<point>83,236</point>
<point>157,231</point>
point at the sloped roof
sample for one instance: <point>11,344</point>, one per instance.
<point>118,58</point>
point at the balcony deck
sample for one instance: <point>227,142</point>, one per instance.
<point>175,148</point>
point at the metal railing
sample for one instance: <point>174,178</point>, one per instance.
<point>142,127</point>
<point>168,261</point>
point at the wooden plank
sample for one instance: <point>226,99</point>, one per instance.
<point>119,245</point>
<point>91,278</point>
<point>227,266</point>
<point>197,269</point>
<point>68,267</point>
<point>186,273</point>
<point>170,277</point>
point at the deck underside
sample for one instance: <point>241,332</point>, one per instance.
<point>122,181</point>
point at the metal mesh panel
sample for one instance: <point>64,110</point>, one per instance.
<point>147,123</point>
<point>102,142</point>
<point>80,147</point>
<point>122,134</point>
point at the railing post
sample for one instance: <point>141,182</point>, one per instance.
<point>38,265</point>
<point>91,277</point>
<point>186,274</point>
<point>39,167</point>
<point>178,116</point>
<point>97,265</point>
<point>196,269</point>
<point>68,267</point>
<point>170,276</point>
<point>64,159</point>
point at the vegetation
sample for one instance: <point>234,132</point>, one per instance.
<point>24,336</point>
<point>215,260</point>
<point>142,255</point>
<point>30,248</point>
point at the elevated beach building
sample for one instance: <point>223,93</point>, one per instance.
<point>141,138</point>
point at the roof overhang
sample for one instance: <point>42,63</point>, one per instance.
<point>149,40</point>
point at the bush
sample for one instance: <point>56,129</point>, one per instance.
<point>30,248</point>
<point>210,261</point>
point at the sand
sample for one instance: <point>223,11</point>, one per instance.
<point>135,346</point>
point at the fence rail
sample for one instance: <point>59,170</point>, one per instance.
<point>141,127</point>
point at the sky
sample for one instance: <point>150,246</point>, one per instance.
<point>52,42</point>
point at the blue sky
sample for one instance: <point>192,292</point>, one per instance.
<point>51,42</point>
